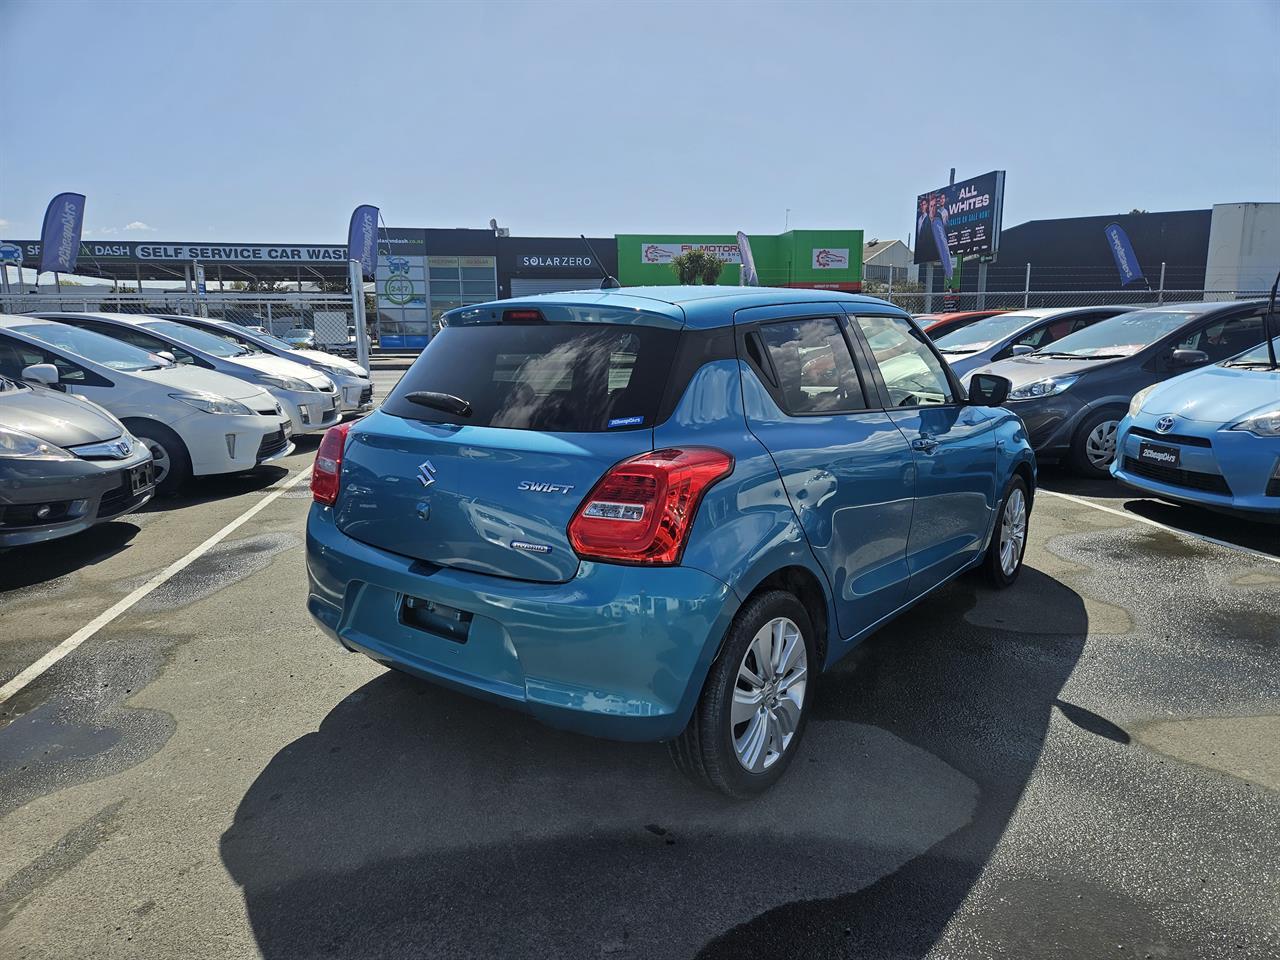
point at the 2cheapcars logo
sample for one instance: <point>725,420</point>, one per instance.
<point>825,258</point>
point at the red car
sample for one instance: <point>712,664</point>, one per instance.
<point>936,324</point>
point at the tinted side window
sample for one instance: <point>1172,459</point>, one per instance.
<point>15,356</point>
<point>911,371</point>
<point>1226,338</point>
<point>814,367</point>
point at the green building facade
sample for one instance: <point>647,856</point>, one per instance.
<point>818,259</point>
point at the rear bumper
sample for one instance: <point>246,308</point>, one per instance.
<point>618,652</point>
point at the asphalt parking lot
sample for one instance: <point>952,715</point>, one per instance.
<point>1086,765</point>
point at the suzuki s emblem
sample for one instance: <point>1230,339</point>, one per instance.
<point>426,473</point>
<point>1164,424</point>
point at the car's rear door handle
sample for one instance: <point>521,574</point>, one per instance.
<point>924,444</point>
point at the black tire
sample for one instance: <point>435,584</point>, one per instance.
<point>705,751</point>
<point>178,469</point>
<point>993,566</point>
<point>1081,461</point>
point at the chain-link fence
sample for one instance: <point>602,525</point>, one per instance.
<point>921,302</point>
<point>326,317</point>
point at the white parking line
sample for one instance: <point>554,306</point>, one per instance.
<point>1152,523</point>
<point>11,688</point>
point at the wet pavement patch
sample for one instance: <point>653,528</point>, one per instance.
<point>228,563</point>
<point>84,730</point>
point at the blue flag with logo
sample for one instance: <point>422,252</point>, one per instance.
<point>1122,252</point>
<point>362,240</point>
<point>60,237</point>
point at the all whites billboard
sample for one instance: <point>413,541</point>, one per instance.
<point>961,220</point>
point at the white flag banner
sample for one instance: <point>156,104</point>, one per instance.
<point>749,277</point>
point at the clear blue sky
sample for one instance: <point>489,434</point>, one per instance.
<point>269,121</point>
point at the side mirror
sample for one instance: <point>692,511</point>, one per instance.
<point>166,355</point>
<point>988,390</point>
<point>1022,349</point>
<point>1188,358</point>
<point>45,374</point>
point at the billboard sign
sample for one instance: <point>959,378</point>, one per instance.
<point>962,220</point>
<point>1122,252</point>
<point>11,254</point>
<point>60,235</point>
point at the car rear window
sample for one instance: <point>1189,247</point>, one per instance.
<point>554,377</point>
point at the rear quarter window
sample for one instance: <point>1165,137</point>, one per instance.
<point>553,377</point>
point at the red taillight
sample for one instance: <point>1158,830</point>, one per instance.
<point>521,316</point>
<point>641,511</point>
<point>327,470</point>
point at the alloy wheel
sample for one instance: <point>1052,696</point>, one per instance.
<point>160,460</point>
<point>1013,531</point>
<point>768,697</point>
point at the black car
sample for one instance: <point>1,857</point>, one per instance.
<point>1073,394</point>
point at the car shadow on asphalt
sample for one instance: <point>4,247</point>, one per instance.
<point>1242,530</point>
<point>419,821</point>
<point>40,563</point>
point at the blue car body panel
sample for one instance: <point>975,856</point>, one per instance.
<point>1217,467</point>
<point>623,651</point>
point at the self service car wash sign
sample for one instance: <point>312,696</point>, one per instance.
<point>60,236</point>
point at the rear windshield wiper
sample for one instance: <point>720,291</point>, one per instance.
<point>440,401</point>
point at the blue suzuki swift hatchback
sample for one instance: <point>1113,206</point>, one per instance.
<point>659,513</point>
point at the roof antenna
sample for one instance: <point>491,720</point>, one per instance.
<point>1267,331</point>
<point>609,282</point>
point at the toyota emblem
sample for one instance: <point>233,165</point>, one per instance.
<point>1164,424</point>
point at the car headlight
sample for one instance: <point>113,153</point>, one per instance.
<point>1048,387</point>
<point>17,445</point>
<point>1139,398</point>
<point>331,371</point>
<point>212,403</point>
<point>1265,424</point>
<point>287,383</point>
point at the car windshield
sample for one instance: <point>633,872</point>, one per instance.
<point>977,335</point>
<point>107,351</point>
<point>1122,335</point>
<point>201,340</point>
<point>268,339</point>
<point>1257,355</point>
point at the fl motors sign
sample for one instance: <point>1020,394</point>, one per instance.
<point>666,252</point>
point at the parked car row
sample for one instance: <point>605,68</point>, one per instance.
<point>1179,401</point>
<point>98,411</point>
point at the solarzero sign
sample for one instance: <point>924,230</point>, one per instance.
<point>552,263</point>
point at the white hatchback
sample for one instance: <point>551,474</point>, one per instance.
<point>194,421</point>
<point>308,397</point>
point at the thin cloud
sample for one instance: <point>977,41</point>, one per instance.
<point>3,223</point>
<point>139,225</point>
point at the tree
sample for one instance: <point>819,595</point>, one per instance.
<point>697,266</point>
<point>1136,210</point>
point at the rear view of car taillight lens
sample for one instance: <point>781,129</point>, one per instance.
<point>326,473</point>
<point>641,511</point>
